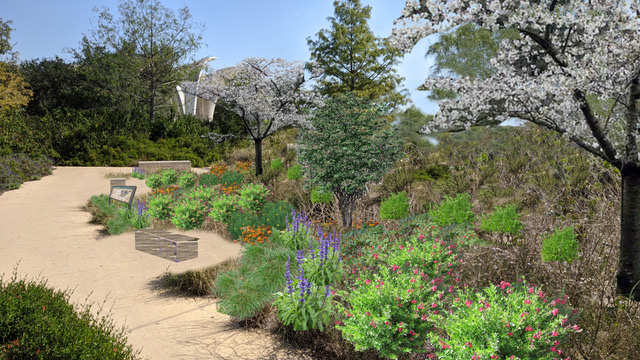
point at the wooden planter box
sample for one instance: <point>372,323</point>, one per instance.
<point>174,247</point>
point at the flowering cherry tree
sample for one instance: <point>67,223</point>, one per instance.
<point>266,94</point>
<point>575,69</point>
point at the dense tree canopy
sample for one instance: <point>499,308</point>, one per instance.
<point>14,90</point>
<point>575,69</point>
<point>349,145</point>
<point>149,44</point>
<point>266,94</point>
<point>353,59</point>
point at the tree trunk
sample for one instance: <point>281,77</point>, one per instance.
<point>346,202</point>
<point>629,266</point>
<point>258,146</point>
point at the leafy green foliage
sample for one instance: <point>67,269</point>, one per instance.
<point>100,209</point>
<point>294,172</point>
<point>276,164</point>
<point>503,321</point>
<point>351,145</point>
<point>189,214</point>
<point>187,180</point>
<point>119,224</point>
<point>451,211</point>
<point>154,181</point>
<point>223,207</point>
<point>353,59</point>
<point>253,197</point>
<point>161,206</point>
<point>503,219</point>
<point>169,177</point>
<point>38,322</point>
<point>560,246</point>
<point>396,207</point>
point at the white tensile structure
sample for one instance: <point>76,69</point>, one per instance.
<point>193,105</point>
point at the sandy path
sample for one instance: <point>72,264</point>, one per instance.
<point>44,227</point>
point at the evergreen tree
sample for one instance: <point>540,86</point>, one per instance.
<point>148,44</point>
<point>353,59</point>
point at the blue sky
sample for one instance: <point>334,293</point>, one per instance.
<point>234,30</point>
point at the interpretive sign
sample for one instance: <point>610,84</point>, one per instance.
<point>124,194</point>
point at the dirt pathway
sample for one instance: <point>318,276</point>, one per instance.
<point>44,227</point>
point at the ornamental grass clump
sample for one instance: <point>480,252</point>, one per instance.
<point>503,322</point>
<point>452,211</point>
<point>274,215</point>
<point>189,214</point>
<point>560,246</point>
<point>503,219</point>
<point>294,172</point>
<point>396,207</point>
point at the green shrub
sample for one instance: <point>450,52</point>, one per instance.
<point>119,224</point>
<point>231,178</point>
<point>137,216</point>
<point>18,168</point>
<point>169,177</point>
<point>396,207</point>
<point>223,206</point>
<point>100,209</point>
<point>453,211</point>
<point>253,196</point>
<point>209,180</point>
<point>154,181</point>
<point>276,164</point>
<point>432,172</point>
<point>560,246</point>
<point>206,194</point>
<point>503,219</point>
<point>275,215</point>
<point>38,322</point>
<point>189,214</point>
<point>187,180</point>
<point>294,172</point>
<point>321,196</point>
<point>161,206</point>
<point>238,220</point>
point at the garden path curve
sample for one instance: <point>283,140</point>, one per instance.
<point>43,227</point>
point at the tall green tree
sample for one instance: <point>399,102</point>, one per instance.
<point>353,59</point>
<point>409,122</point>
<point>465,51</point>
<point>14,90</point>
<point>350,145</point>
<point>149,45</point>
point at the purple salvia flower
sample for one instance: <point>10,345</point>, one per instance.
<point>327,292</point>
<point>300,257</point>
<point>287,275</point>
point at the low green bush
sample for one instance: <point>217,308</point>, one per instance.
<point>189,214</point>
<point>38,322</point>
<point>451,211</point>
<point>253,196</point>
<point>502,219</point>
<point>169,177</point>
<point>276,164</point>
<point>18,168</point>
<point>294,172</point>
<point>161,206</point>
<point>119,224</point>
<point>396,207</point>
<point>223,206</point>
<point>187,180</point>
<point>154,181</point>
<point>100,209</point>
<point>560,246</point>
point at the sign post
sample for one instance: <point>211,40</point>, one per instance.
<point>123,194</point>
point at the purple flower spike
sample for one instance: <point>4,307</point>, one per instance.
<point>287,275</point>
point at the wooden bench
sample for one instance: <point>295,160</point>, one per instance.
<point>161,243</point>
<point>155,166</point>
